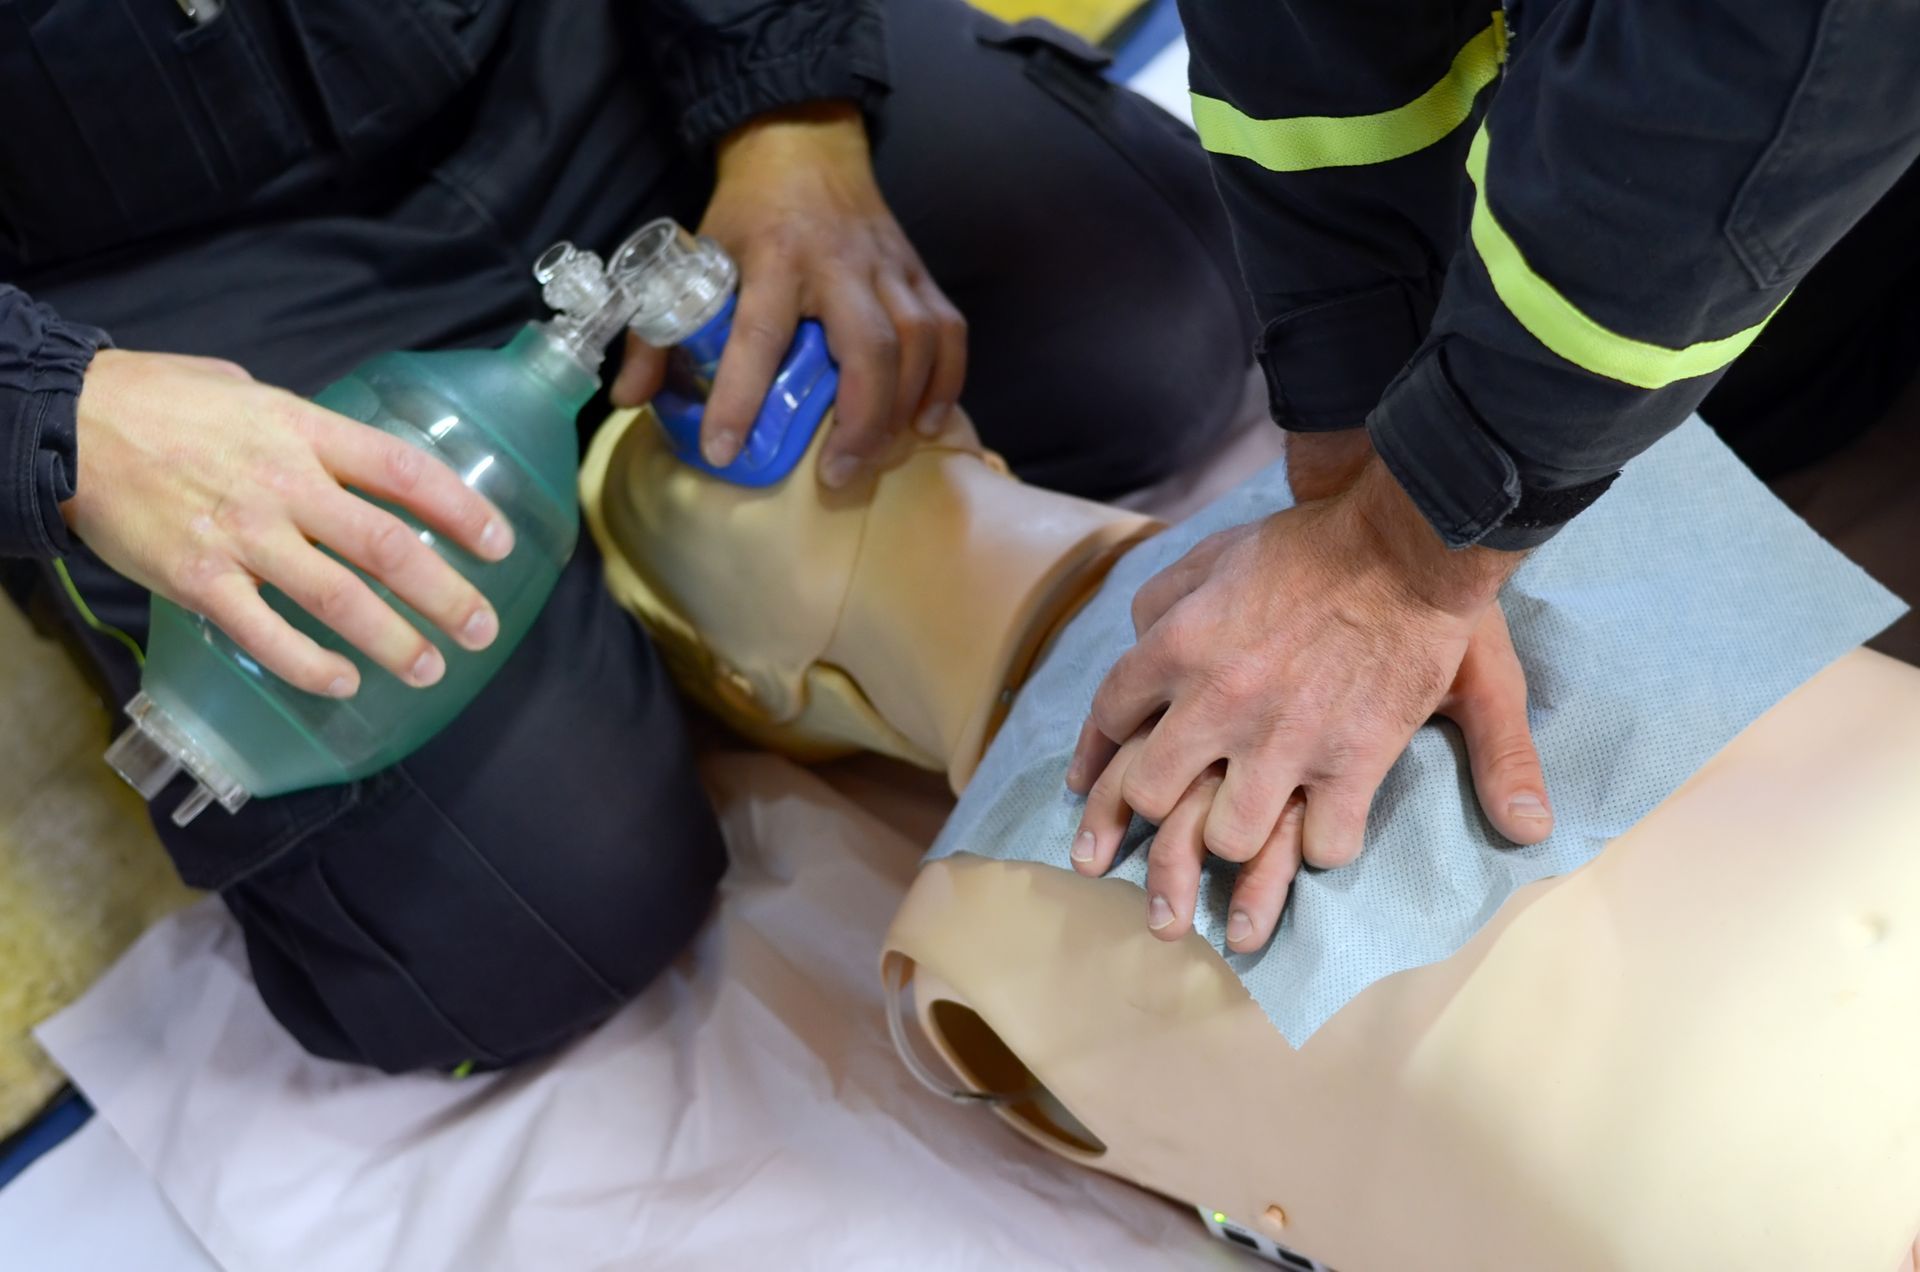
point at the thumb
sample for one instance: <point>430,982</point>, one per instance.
<point>642,370</point>
<point>1488,701</point>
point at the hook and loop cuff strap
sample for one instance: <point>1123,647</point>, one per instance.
<point>1462,480</point>
<point>1307,142</point>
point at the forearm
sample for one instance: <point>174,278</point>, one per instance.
<point>43,359</point>
<point>822,132</point>
<point>1338,132</point>
<point>1650,184</point>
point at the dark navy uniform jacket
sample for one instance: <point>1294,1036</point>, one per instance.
<point>127,121</point>
<point>1520,244</point>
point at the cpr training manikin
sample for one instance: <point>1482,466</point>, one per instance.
<point>1693,1053</point>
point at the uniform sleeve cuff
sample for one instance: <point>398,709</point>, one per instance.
<point>1328,362</point>
<point>43,360</point>
<point>1462,481</point>
<point>850,66</point>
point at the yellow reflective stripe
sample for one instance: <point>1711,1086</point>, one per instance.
<point>88,617</point>
<point>1558,323</point>
<point>1326,141</point>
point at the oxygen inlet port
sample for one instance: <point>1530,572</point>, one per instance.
<point>155,749</point>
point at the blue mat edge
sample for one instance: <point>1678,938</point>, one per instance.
<point>42,1135</point>
<point>1159,28</point>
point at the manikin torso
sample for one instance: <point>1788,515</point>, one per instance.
<point>1692,1054</point>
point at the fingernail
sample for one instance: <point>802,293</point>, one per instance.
<point>1083,846</point>
<point>1528,805</point>
<point>931,420</point>
<point>719,449</point>
<point>1239,927</point>
<point>480,630</point>
<point>1073,775</point>
<point>427,668</point>
<point>1159,913</point>
<point>342,687</point>
<point>496,540</point>
<point>838,471</point>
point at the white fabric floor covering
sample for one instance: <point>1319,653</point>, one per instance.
<point>1164,80</point>
<point>88,1207</point>
<point>748,1111</point>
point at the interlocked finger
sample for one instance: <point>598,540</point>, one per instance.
<point>1174,861</point>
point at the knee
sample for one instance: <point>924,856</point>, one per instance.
<point>1150,386</point>
<point>1168,354</point>
<point>1174,378</point>
<point>1110,334</point>
<point>409,947</point>
<point>624,907</point>
<point>1126,352</point>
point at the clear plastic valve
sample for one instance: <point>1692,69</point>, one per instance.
<point>572,281</point>
<point>662,282</point>
<point>590,304</point>
<point>678,283</point>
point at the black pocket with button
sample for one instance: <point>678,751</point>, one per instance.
<point>127,118</point>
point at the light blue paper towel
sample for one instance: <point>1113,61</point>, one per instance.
<point>1654,628</point>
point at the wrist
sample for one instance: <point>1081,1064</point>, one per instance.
<point>1322,464</point>
<point>833,129</point>
<point>99,373</point>
<point>1460,581</point>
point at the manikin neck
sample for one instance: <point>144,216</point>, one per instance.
<point>942,625</point>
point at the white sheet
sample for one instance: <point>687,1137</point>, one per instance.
<point>87,1206</point>
<point>1164,81</point>
<point>747,1112</point>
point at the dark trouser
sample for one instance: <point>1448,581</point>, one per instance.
<point>537,864</point>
